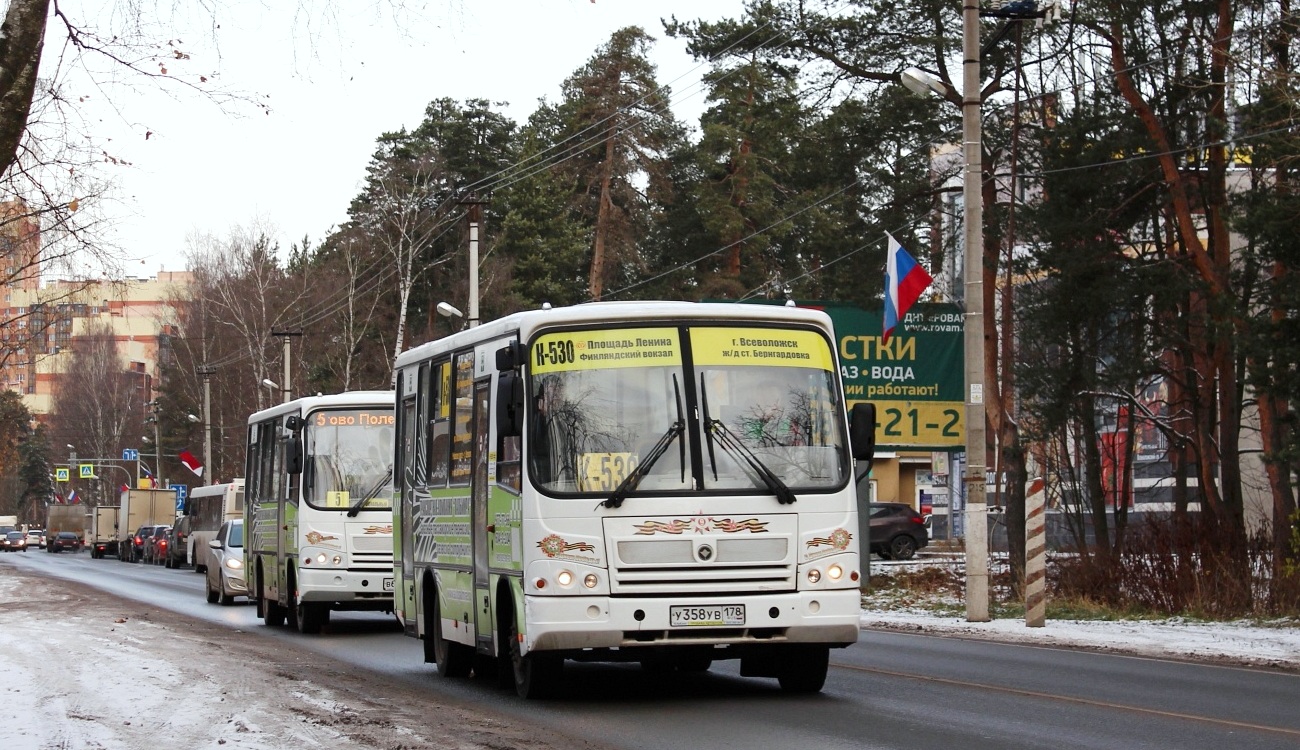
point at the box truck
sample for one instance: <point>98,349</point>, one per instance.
<point>141,508</point>
<point>103,531</point>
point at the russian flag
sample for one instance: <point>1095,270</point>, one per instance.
<point>905,279</point>
<point>73,499</point>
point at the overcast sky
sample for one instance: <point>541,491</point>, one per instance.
<point>333,86</point>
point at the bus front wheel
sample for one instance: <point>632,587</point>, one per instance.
<point>537,675</point>
<point>804,669</point>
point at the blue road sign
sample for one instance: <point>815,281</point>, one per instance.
<point>181,492</point>
<point>130,454</point>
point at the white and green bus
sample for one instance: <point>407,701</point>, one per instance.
<point>667,483</point>
<point>318,511</point>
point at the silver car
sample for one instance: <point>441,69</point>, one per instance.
<point>225,573</point>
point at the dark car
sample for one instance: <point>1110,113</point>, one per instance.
<point>64,541</point>
<point>135,545</point>
<point>155,544</point>
<point>178,544</point>
<point>897,531</point>
<point>15,541</point>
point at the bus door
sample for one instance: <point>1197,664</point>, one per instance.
<point>479,510</point>
<point>406,485</point>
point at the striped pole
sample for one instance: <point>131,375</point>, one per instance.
<point>1035,555</point>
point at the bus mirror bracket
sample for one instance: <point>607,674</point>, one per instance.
<point>511,356</point>
<point>510,403</point>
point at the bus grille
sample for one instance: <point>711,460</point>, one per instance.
<point>670,566</point>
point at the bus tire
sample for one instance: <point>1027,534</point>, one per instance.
<point>272,613</point>
<point>291,611</point>
<point>537,675</point>
<point>311,617</point>
<point>803,669</point>
<point>454,659</point>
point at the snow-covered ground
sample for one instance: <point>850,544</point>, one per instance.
<point>1227,643</point>
<point>1274,644</point>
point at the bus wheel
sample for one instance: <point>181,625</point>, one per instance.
<point>536,674</point>
<point>803,669</point>
<point>272,612</point>
<point>311,616</point>
<point>454,659</point>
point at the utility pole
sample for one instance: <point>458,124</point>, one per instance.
<point>977,551</point>
<point>475,212</point>
<point>287,336</point>
<point>207,373</point>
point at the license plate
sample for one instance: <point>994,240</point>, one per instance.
<point>388,584</point>
<point>709,616</point>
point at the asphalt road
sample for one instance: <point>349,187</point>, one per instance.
<point>891,690</point>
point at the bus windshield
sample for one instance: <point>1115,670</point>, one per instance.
<point>753,401</point>
<point>349,459</point>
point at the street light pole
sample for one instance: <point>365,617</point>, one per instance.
<point>207,373</point>
<point>977,576</point>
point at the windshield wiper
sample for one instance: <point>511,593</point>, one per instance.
<point>370,495</point>
<point>632,480</point>
<point>736,447</point>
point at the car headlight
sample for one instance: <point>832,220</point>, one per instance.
<point>234,563</point>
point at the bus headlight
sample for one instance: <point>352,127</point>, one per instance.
<point>564,578</point>
<point>590,580</point>
<point>834,572</point>
<point>814,575</point>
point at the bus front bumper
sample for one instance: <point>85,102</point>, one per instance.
<point>350,589</point>
<point>564,623</point>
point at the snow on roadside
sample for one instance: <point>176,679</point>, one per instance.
<point>1237,643</point>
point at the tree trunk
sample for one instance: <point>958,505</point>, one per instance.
<point>22,38</point>
<point>597,280</point>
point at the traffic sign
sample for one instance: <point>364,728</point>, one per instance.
<point>61,474</point>
<point>181,492</point>
<point>86,471</point>
<point>130,454</point>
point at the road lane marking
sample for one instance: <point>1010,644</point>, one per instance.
<point>1080,701</point>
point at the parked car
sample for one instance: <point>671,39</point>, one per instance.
<point>36,538</point>
<point>154,544</point>
<point>135,546</point>
<point>225,573</point>
<point>897,531</point>
<point>177,544</point>
<point>64,541</point>
<point>15,541</point>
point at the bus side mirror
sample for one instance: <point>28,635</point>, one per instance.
<point>510,403</point>
<point>862,431</point>
<point>293,460</point>
<point>511,355</point>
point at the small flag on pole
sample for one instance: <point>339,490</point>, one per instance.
<point>905,279</point>
<point>148,477</point>
<point>191,462</point>
<point>72,497</point>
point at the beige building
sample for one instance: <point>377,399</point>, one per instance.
<point>39,322</point>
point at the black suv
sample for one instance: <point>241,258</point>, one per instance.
<point>897,531</point>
